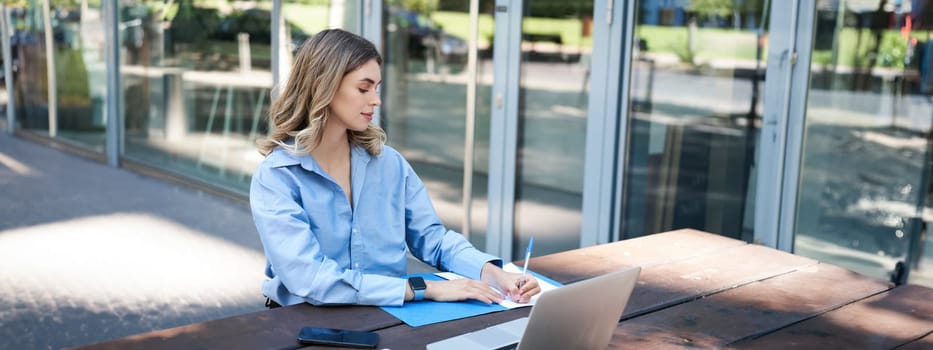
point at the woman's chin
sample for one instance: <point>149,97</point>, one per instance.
<point>359,128</point>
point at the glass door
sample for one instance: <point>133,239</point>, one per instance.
<point>29,56</point>
<point>81,73</point>
<point>553,95</point>
<point>693,117</point>
<point>425,112</point>
<point>197,79</point>
<point>551,103</point>
<point>864,199</point>
<point>6,70</point>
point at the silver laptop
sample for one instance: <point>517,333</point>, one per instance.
<point>582,315</point>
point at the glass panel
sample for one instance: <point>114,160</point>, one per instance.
<point>31,74</point>
<point>4,95</point>
<point>555,67</point>
<point>424,109</point>
<point>81,73</point>
<point>695,107</point>
<point>197,79</point>
<point>4,89</point>
<point>864,183</point>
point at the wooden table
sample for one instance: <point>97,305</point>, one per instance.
<point>696,290</point>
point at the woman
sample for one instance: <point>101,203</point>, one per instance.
<point>336,208</point>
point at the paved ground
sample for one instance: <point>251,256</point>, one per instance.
<point>90,253</point>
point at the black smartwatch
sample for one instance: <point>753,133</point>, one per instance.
<point>418,286</point>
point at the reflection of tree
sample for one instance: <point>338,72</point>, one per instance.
<point>424,7</point>
<point>73,86</point>
<point>737,9</point>
<point>877,23</point>
<point>53,3</point>
<point>756,12</point>
<point>73,90</point>
<point>710,10</point>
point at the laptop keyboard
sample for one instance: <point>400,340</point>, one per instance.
<point>499,337</point>
<point>494,337</point>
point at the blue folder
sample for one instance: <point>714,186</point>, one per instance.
<point>426,312</point>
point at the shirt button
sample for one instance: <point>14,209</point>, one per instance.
<point>355,230</point>
<point>356,266</point>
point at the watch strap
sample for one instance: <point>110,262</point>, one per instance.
<point>417,287</point>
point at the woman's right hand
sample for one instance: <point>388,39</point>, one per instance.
<point>461,289</point>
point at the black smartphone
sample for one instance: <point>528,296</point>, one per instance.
<point>338,337</point>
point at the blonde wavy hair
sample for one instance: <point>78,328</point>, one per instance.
<point>301,110</point>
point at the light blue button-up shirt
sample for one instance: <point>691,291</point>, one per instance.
<point>322,251</point>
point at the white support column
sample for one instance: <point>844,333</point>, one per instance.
<point>779,153</point>
<point>50,68</point>
<point>113,112</point>
<point>606,121</point>
<point>503,125</point>
<point>5,27</point>
<point>470,135</point>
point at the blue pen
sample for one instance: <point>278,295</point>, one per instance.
<point>531,242</point>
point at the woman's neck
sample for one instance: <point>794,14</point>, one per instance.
<point>333,149</point>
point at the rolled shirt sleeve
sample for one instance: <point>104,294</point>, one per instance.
<point>431,242</point>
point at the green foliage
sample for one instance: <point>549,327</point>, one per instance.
<point>711,43</point>
<point>457,5</point>
<point>166,10</point>
<point>71,78</point>
<point>309,18</point>
<point>458,24</point>
<point>307,2</point>
<point>53,3</point>
<point>892,52</point>
<point>560,8</point>
<point>685,54</point>
<point>822,57</point>
<point>725,8</point>
<point>711,8</point>
<point>14,3</point>
<point>194,24</point>
<point>424,7</point>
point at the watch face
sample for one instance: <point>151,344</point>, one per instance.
<point>417,283</point>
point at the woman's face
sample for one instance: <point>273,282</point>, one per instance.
<point>356,97</point>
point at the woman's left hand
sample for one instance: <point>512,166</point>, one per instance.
<point>508,283</point>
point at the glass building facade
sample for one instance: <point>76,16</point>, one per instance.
<point>801,125</point>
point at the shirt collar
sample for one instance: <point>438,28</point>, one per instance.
<point>282,158</point>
